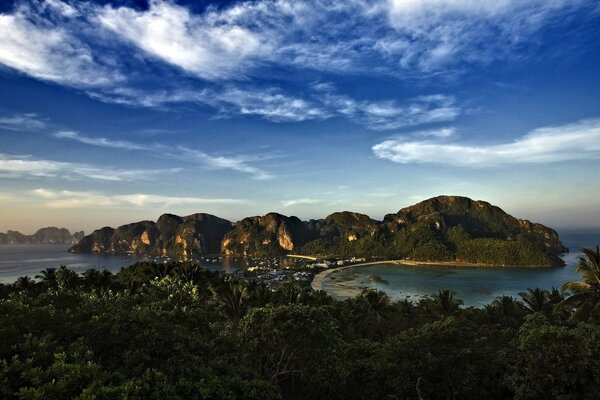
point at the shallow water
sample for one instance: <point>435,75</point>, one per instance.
<point>475,286</point>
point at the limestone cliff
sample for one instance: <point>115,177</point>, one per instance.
<point>268,235</point>
<point>171,235</point>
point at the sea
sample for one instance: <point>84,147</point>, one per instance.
<point>475,286</point>
<point>29,259</point>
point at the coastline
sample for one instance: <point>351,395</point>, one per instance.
<point>317,282</point>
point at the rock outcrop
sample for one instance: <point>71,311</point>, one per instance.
<point>49,235</point>
<point>269,235</point>
<point>171,235</point>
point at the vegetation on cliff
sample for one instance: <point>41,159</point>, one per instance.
<point>445,228</point>
<point>177,331</point>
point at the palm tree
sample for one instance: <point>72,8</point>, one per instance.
<point>585,294</point>
<point>190,273</point>
<point>447,303</point>
<point>536,300</point>
<point>24,283</point>
<point>48,277</point>
<point>259,294</point>
<point>232,297</point>
<point>507,306</point>
<point>66,278</point>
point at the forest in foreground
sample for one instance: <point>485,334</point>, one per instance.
<point>181,332</point>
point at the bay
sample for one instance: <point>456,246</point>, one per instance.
<point>475,286</point>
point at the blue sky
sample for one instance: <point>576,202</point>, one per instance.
<point>115,111</point>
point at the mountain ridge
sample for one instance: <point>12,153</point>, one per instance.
<point>443,228</point>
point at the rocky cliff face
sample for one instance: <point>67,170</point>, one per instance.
<point>269,235</point>
<point>171,235</point>
<point>441,228</point>
<point>49,235</point>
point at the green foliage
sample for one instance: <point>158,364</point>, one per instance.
<point>555,362</point>
<point>177,331</point>
<point>501,252</point>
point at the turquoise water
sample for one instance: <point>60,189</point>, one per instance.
<point>475,286</point>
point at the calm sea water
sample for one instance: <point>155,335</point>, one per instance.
<point>475,286</point>
<point>20,260</point>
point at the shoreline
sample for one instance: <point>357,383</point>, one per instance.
<point>317,282</point>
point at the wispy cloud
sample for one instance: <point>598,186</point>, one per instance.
<point>295,202</point>
<point>22,122</point>
<point>75,199</point>
<point>199,44</point>
<point>19,166</point>
<point>441,133</point>
<point>214,57</point>
<point>102,142</point>
<point>580,140</point>
<point>385,115</point>
<point>236,163</point>
<point>40,40</point>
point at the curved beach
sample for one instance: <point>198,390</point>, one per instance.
<point>317,282</point>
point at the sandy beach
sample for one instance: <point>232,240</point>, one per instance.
<point>317,283</point>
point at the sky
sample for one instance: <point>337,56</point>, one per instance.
<point>118,111</point>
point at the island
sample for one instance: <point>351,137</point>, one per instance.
<point>450,229</point>
<point>48,235</point>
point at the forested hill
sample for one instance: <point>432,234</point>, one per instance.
<point>49,235</point>
<point>444,228</point>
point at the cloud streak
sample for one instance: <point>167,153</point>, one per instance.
<point>576,141</point>
<point>22,122</point>
<point>295,202</point>
<point>20,166</point>
<point>75,199</point>
<point>181,153</point>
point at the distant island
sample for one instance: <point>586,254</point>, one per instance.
<point>444,228</point>
<point>48,235</point>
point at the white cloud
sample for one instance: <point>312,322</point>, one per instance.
<point>295,202</point>
<point>74,199</point>
<point>236,163</point>
<point>580,140</point>
<point>433,35</point>
<point>102,142</point>
<point>44,48</point>
<point>270,104</point>
<point>19,166</point>
<point>181,153</point>
<point>22,122</point>
<point>231,47</point>
<point>385,115</point>
<point>198,44</point>
<point>436,133</point>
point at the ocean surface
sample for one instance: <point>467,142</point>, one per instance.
<point>475,286</point>
<point>30,259</point>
